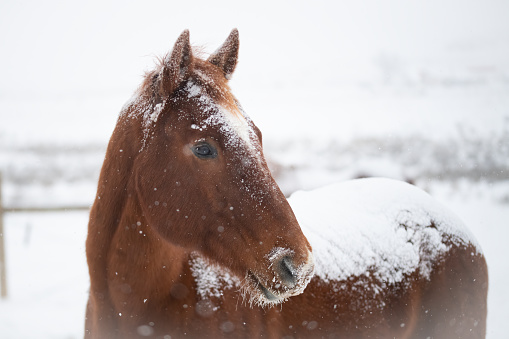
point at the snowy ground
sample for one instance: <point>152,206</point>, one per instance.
<point>48,279</point>
<point>407,91</point>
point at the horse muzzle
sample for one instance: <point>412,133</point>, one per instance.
<point>289,277</point>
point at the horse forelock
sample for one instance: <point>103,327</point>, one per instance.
<point>213,83</point>
<point>205,74</point>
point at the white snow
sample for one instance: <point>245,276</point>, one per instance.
<point>237,122</point>
<point>211,279</point>
<point>157,110</point>
<point>47,275</point>
<point>383,226</point>
<point>394,88</point>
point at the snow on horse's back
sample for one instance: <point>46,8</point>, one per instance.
<point>401,263</point>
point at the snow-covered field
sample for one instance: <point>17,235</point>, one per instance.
<point>417,92</point>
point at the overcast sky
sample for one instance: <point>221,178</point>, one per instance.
<point>68,46</point>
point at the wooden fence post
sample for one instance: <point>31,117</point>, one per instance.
<point>3,271</point>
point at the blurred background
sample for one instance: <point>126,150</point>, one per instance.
<point>417,91</point>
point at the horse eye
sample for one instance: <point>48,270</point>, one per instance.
<point>204,151</point>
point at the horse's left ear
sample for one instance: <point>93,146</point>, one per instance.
<point>226,56</point>
<point>177,66</point>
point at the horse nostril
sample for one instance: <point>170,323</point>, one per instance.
<point>286,272</point>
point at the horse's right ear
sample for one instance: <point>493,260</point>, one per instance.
<point>226,56</point>
<point>177,66</point>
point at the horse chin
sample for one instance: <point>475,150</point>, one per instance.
<point>260,295</point>
<point>256,294</point>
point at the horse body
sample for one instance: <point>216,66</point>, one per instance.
<point>390,262</point>
<point>189,235</point>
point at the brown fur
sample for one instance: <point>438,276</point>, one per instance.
<point>158,205</point>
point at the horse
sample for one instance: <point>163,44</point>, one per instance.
<point>190,236</point>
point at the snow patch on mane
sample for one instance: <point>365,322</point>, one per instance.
<point>140,105</point>
<point>378,227</point>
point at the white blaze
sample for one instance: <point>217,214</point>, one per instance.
<point>238,124</point>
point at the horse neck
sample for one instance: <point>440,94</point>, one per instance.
<point>116,220</point>
<point>138,250</point>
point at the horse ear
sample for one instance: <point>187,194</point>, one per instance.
<point>177,66</point>
<point>226,56</point>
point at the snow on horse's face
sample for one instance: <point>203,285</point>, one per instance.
<point>203,182</point>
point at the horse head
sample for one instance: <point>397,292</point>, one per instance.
<point>201,178</point>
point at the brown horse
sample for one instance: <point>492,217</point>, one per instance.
<point>190,236</point>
